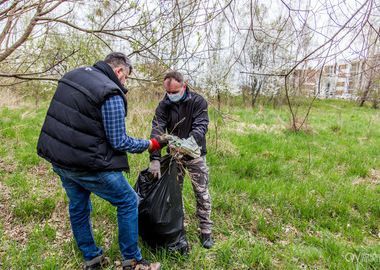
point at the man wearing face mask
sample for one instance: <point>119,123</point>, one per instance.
<point>84,137</point>
<point>183,113</point>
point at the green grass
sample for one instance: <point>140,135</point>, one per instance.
<point>281,199</point>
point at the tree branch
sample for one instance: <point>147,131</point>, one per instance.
<point>8,25</point>
<point>23,38</point>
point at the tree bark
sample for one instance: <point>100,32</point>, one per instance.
<point>365,93</point>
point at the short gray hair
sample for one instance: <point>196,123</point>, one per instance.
<point>117,59</point>
<point>174,75</point>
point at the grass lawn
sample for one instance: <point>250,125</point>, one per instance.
<point>281,199</point>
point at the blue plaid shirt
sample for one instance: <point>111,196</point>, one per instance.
<point>113,115</point>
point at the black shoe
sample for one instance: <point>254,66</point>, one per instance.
<point>97,263</point>
<point>206,240</point>
<point>184,251</point>
<point>140,265</point>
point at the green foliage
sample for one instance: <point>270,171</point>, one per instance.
<point>65,54</point>
<point>281,200</point>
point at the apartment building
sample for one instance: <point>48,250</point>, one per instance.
<point>342,79</point>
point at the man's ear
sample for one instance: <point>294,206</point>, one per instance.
<point>118,70</point>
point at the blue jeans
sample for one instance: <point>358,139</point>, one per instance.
<point>113,187</point>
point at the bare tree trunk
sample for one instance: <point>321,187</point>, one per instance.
<point>219,100</point>
<point>254,98</point>
<point>365,93</point>
<point>243,95</point>
<point>375,104</point>
<point>255,90</point>
<point>38,96</point>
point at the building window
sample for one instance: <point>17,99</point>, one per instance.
<point>340,84</point>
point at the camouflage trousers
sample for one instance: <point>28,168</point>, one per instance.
<point>199,175</point>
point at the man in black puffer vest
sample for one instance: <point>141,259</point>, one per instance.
<point>84,137</point>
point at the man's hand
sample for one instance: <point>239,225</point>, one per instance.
<point>155,168</point>
<point>176,152</point>
<point>177,149</point>
<point>153,146</point>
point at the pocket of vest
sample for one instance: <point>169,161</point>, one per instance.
<point>108,155</point>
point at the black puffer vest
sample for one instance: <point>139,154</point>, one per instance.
<point>73,136</point>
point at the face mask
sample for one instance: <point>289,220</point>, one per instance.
<point>175,97</point>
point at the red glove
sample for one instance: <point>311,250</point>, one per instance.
<point>155,145</point>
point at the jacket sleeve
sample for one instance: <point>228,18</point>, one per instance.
<point>199,127</point>
<point>113,117</point>
<point>159,125</point>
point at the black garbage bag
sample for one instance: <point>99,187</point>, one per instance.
<point>160,208</point>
